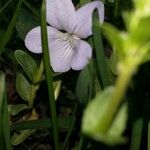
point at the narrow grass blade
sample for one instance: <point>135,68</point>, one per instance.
<point>101,60</point>
<point>9,31</point>
<point>2,92</point>
<point>116,8</point>
<point>5,6</point>
<point>33,10</point>
<point>48,73</point>
<point>148,145</point>
<point>64,122</point>
<point>70,129</point>
<point>6,125</point>
<point>136,135</point>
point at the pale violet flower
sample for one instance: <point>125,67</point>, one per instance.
<point>67,27</point>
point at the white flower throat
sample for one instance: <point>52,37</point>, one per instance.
<point>69,39</point>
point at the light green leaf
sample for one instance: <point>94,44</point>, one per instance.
<point>23,87</point>
<point>15,109</point>
<point>28,64</point>
<point>18,138</point>
<point>114,37</point>
<point>141,34</point>
<point>113,61</point>
<point>93,118</point>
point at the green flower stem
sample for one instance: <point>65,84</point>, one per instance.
<point>39,73</point>
<point>48,74</point>
<point>35,87</point>
<point>126,73</point>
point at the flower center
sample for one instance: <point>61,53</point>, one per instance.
<point>69,38</point>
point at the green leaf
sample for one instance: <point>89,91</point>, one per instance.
<point>23,87</point>
<point>26,21</point>
<point>114,37</point>
<point>64,123</point>
<point>92,123</point>
<point>15,109</point>
<point>136,134</point>
<point>99,51</point>
<point>140,34</point>
<point>85,88</point>
<point>28,64</point>
<point>18,138</point>
<point>83,2</point>
<point>113,61</point>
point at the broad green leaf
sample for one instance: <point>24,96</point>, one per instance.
<point>84,87</point>
<point>92,123</point>
<point>142,6</point>
<point>26,21</point>
<point>15,109</point>
<point>28,64</point>
<point>18,138</point>
<point>140,34</point>
<point>23,87</point>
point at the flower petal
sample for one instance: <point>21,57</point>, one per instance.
<point>61,51</point>
<point>84,18</point>
<point>61,14</point>
<point>33,38</point>
<point>83,52</point>
<point>61,54</point>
